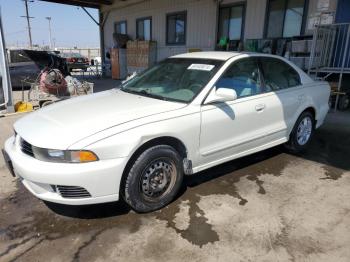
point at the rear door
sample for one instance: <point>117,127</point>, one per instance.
<point>283,83</point>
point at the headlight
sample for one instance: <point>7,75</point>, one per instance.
<point>64,156</point>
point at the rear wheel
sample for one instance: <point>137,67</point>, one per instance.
<point>154,179</point>
<point>344,102</point>
<point>46,103</point>
<point>301,133</point>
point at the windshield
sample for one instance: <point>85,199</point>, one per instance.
<point>174,79</point>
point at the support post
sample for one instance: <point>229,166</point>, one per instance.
<point>102,43</point>
<point>346,51</point>
<point>6,81</point>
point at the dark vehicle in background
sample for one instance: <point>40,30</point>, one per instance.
<point>75,61</point>
<point>26,65</point>
<point>22,68</point>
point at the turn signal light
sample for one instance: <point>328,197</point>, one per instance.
<point>83,156</point>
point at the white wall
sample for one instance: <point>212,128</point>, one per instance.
<point>201,20</point>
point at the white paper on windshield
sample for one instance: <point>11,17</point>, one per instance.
<point>202,67</point>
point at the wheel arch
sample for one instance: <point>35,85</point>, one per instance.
<point>310,109</point>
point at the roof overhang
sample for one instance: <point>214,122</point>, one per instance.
<point>84,3</point>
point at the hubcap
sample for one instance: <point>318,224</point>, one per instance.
<point>158,179</point>
<point>304,131</point>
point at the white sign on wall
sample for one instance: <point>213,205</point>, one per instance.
<point>323,5</point>
<point>320,19</point>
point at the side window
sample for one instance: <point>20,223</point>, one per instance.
<point>242,76</point>
<point>278,74</point>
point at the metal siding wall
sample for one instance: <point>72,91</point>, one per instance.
<point>343,11</point>
<point>201,23</point>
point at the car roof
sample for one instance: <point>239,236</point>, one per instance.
<point>223,55</point>
<point>215,55</point>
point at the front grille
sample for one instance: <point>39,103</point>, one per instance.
<point>72,192</point>
<point>26,147</point>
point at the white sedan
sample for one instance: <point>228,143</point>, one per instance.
<point>186,114</point>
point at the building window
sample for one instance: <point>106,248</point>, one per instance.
<point>120,27</point>
<point>144,28</point>
<point>284,18</point>
<point>231,20</point>
<point>176,28</point>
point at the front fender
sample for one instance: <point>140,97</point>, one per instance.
<point>123,143</point>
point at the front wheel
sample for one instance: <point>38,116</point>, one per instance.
<point>154,179</point>
<point>301,133</point>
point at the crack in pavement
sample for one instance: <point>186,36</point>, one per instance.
<point>76,256</point>
<point>27,250</point>
<point>15,245</point>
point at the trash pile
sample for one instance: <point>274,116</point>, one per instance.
<point>75,87</point>
<point>53,82</point>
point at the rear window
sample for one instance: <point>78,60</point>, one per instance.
<point>18,56</point>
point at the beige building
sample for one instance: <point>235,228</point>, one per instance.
<point>180,25</point>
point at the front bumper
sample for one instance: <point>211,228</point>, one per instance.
<point>101,178</point>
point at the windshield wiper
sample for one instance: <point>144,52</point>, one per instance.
<point>145,93</point>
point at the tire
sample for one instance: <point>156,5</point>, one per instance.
<point>344,102</point>
<point>154,179</point>
<point>297,142</point>
<point>46,103</point>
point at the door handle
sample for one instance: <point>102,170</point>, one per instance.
<point>260,107</point>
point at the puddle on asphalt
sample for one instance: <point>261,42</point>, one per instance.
<point>35,220</point>
<point>330,147</point>
<point>217,181</point>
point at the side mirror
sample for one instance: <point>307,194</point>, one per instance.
<point>221,94</point>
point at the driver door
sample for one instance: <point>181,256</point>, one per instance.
<point>236,128</point>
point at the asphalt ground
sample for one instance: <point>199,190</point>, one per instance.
<point>270,206</point>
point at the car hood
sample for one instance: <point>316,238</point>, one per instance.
<point>62,124</point>
<point>43,59</point>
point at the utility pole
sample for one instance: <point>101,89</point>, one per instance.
<point>49,19</point>
<point>28,22</point>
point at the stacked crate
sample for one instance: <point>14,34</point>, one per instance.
<point>301,53</point>
<point>140,55</point>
